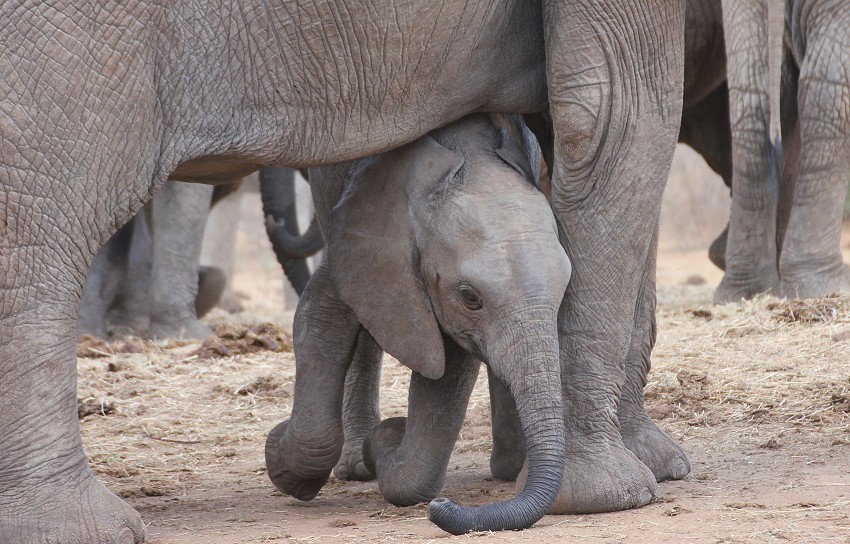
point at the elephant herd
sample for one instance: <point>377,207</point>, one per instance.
<point>488,177</point>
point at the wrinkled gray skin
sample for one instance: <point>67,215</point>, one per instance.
<point>102,103</point>
<point>790,77</point>
<point>790,212</point>
<point>146,279</point>
<point>464,263</point>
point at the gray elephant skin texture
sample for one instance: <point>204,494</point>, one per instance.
<point>102,103</point>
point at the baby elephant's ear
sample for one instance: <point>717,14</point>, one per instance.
<point>373,256</point>
<point>524,156</point>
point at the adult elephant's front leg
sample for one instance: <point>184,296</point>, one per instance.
<point>664,457</point>
<point>47,493</point>
<point>615,85</point>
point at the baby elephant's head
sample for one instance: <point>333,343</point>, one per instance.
<point>449,236</point>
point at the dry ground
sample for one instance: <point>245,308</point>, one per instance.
<point>757,393</point>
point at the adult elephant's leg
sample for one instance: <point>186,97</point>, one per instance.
<point>131,310</point>
<point>811,264</point>
<point>705,127</point>
<point>751,252</point>
<point>302,451</point>
<point>47,493</point>
<point>179,216</point>
<point>614,72</point>
<point>410,455</point>
<point>666,459</point>
<point>360,407</point>
<point>103,283</point>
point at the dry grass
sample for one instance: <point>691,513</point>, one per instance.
<point>761,361</point>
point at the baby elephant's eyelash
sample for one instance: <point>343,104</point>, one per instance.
<point>469,296</point>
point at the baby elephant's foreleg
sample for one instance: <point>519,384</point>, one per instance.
<point>302,451</point>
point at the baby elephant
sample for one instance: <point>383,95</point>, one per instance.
<point>446,253</point>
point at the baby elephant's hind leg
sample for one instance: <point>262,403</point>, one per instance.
<point>410,455</point>
<point>360,407</point>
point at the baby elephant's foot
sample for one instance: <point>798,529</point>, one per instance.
<point>664,457</point>
<point>289,471</point>
<point>404,477</point>
<point>86,514</point>
<point>606,479</point>
<point>351,465</point>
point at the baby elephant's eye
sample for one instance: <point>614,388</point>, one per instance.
<point>469,296</point>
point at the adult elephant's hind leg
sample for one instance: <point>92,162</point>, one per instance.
<point>614,71</point>
<point>47,493</point>
<point>811,263</point>
<point>302,451</point>
<point>664,457</point>
<point>360,407</point>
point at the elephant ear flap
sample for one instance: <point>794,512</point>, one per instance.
<point>373,255</point>
<point>521,151</point>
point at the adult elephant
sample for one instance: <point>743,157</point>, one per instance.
<point>147,279</point>
<point>131,92</point>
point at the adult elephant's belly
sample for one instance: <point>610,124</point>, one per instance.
<point>316,84</point>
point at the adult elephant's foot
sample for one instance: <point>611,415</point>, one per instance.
<point>290,466</point>
<point>664,457</point>
<point>401,483</point>
<point>351,465</point>
<point>605,480</point>
<point>734,288</point>
<point>803,282</point>
<point>190,328</point>
<point>85,514</point>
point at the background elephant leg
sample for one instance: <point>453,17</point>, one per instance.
<point>751,252</point>
<point>301,452</point>
<point>410,455</point>
<point>705,128</point>
<point>666,459</point>
<point>130,313</point>
<point>360,407</point>
<point>47,493</point>
<point>178,219</point>
<point>103,282</point>
<point>616,109</point>
<point>811,263</point>
<point>508,454</point>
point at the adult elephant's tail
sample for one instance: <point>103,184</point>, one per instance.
<point>277,187</point>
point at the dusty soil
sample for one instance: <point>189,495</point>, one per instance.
<point>758,393</point>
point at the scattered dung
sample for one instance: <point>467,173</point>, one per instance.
<point>831,308</point>
<point>237,339</point>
